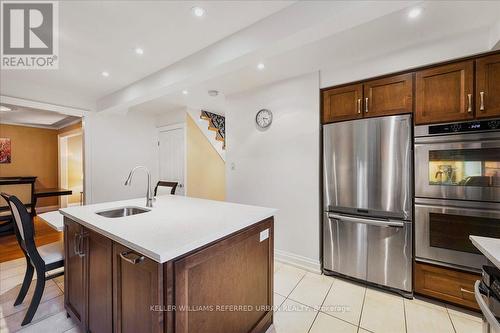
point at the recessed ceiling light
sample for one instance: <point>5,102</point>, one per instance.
<point>414,13</point>
<point>261,66</point>
<point>139,51</point>
<point>198,11</point>
<point>185,92</point>
<point>105,74</point>
<point>4,108</point>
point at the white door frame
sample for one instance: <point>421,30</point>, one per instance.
<point>62,140</point>
<point>170,128</point>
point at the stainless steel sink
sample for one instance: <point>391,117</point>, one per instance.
<point>122,212</point>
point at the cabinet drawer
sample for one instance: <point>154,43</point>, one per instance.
<point>446,284</point>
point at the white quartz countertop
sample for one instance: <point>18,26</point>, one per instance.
<point>174,226</point>
<point>490,247</point>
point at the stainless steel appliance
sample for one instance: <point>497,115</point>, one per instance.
<point>367,229</point>
<point>457,191</point>
<point>487,293</point>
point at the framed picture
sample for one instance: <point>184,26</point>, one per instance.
<point>5,152</point>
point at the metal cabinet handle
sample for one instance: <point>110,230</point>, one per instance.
<point>359,105</point>
<point>462,290</point>
<point>81,253</point>
<point>469,98</point>
<point>76,241</point>
<point>136,260</point>
<point>488,315</point>
<point>379,223</point>
<point>366,105</point>
<point>481,107</point>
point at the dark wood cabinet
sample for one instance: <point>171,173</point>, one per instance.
<point>488,86</point>
<point>445,93</point>
<point>111,288</point>
<point>137,292</point>
<point>75,291</point>
<point>388,96</point>
<point>446,284</point>
<point>343,103</point>
<point>99,255</point>
<point>241,264</point>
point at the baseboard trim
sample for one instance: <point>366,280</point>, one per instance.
<point>297,261</point>
<point>46,209</point>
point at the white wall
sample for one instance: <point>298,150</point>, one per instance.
<point>279,167</point>
<point>114,144</point>
<point>171,117</point>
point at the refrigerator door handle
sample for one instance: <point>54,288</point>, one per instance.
<point>378,223</point>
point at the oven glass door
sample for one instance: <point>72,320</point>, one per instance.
<point>442,233</point>
<point>458,170</point>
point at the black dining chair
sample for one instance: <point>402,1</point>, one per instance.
<point>42,259</point>
<point>161,183</point>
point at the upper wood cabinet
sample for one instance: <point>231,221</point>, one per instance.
<point>488,86</point>
<point>342,103</point>
<point>445,93</point>
<point>388,96</point>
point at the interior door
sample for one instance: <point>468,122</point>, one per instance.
<point>172,152</point>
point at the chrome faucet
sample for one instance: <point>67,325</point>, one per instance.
<point>149,193</point>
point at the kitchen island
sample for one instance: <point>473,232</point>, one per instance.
<point>184,265</point>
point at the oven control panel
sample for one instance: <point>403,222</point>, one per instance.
<point>470,126</point>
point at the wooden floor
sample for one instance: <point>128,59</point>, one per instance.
<point>44,234</point>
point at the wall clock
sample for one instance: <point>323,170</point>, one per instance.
<point>264,118</point>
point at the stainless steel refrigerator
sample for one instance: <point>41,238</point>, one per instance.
<point>367,226</point>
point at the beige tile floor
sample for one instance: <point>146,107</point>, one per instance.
<point>312,303</point>
<point>305,302</point>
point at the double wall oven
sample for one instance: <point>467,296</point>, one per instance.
<point>457,191</point>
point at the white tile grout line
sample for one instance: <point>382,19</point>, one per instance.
<point>362,308</point>
<point>320,307</point>
<point>404,312</point>
<point>449,317</point>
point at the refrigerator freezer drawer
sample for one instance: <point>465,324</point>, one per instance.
<point>378,251</point>
<point>390,256</point>
<point>344,247</point>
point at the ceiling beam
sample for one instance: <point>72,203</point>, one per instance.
<point>42,106</point>
<point>296,25</point>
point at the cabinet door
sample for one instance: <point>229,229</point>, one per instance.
<point>388,96</point>
<point>99,254</point>
<point>446,284</point>
<point>75,291</point>
<point>137,287</point>
<point>235,271</point>
<point>488,86</point>
<point>445,93</point>
<point>342,103</point>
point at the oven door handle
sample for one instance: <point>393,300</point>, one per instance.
<point>378,223</point>
<point>488,315</point>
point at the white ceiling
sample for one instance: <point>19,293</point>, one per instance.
<point>98,36</point>
<point>385,44</point>
<point>344,40</point>
<point>34,117</point>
